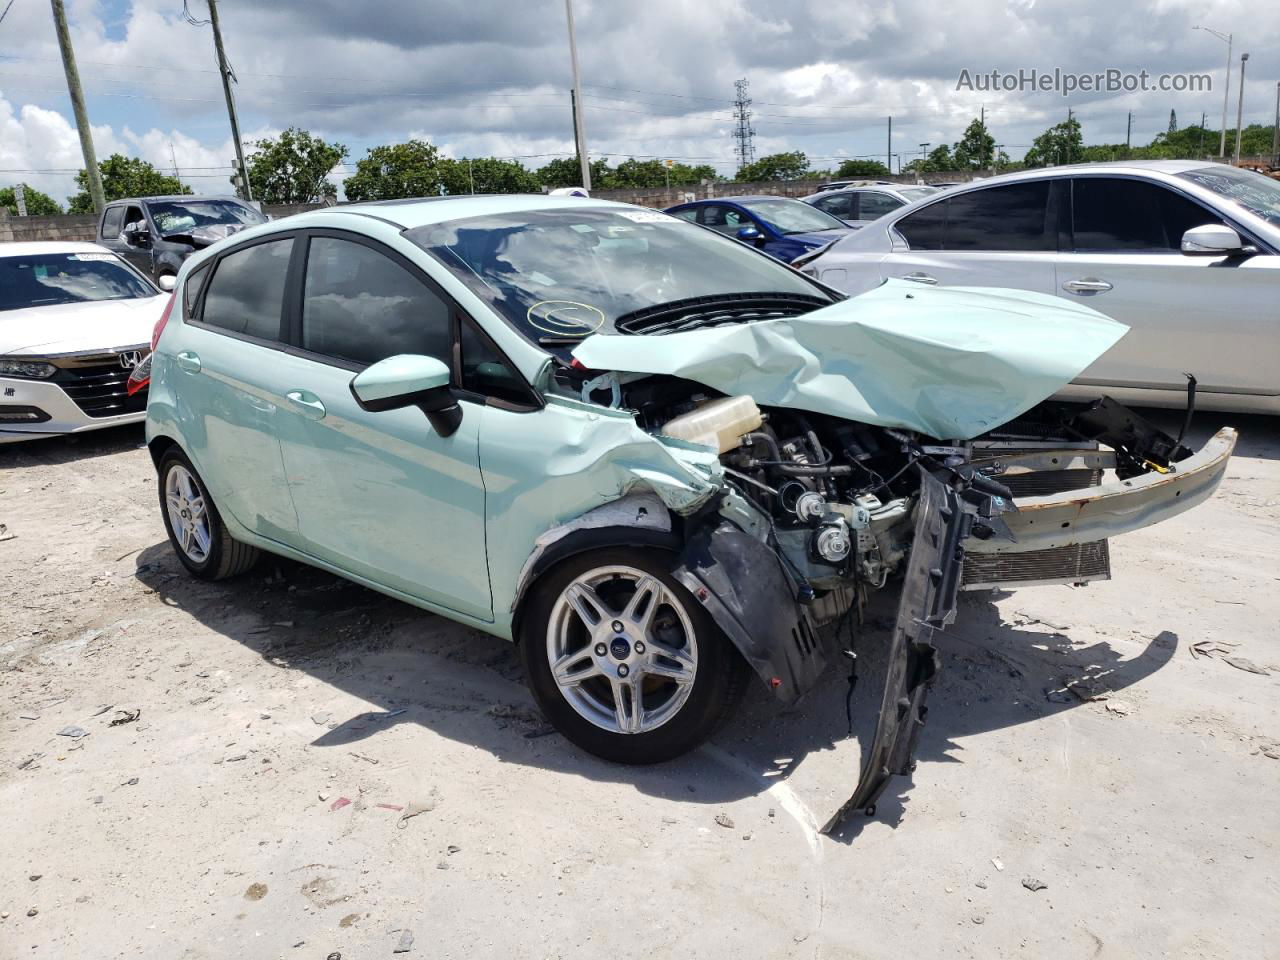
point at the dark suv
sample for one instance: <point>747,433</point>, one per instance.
<point>156,234</point>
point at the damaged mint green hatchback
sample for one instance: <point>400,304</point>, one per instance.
<point>660,461</point>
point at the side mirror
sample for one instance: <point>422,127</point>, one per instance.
<point>409,380</point>
<point>1211,240</point>
<point>750,235</point>
<point>167,281</point>
<point>136,233</point>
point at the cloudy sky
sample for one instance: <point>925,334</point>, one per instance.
<point>488,77</point>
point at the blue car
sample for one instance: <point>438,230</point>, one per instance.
<point>779,226</point>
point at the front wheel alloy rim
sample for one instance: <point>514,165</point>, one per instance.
<point>622,649</point>
<point>187,514</point>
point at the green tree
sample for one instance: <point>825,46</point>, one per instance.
<point>566,172</point>
<point>939,160</point>
<point>976,149</point>
<point>776,166</point>
<point>38,204</point>
<point>487,175</point>
<point>124,177</point>
<point>861,168</point>
<point>413,169</point>
<point>293,168</point>
<point>1061,143</point>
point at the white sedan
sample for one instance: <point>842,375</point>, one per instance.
<point>1186,253</point>
<point>74,321</point>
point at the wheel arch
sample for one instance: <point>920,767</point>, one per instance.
<point>581,541</point>
<point>158,446</point>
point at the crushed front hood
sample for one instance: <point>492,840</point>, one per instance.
<point>951,363</point>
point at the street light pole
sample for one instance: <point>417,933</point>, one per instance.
<point>1244,58</point>
<point>1275,132</point>
<point>1226,87</point>
<point>580,127</point>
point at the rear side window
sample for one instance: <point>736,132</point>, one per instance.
<point>1014,217</point>
<point>361,306</point>
<point>112,223</point>
<point>1112,213</point>
<point>872,205</point>
<point>838,205</point>
<point>926,228</point>
<point>246,293</point>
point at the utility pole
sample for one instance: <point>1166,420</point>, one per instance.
<point>1128,134</point>
<point>174,157</point>
<point>1244,58</point>
<point>924,154</point>
<point>579,126</point>
<point>91,172</point>
<point>888,152</point>
<point>1068,134</point>
<point>743,132</point>
<point>1275,132</point>
<point>224,69</point>
<point>1226,87</point>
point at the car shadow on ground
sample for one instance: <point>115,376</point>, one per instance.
<point>415,667</point>
<point>69,448</point>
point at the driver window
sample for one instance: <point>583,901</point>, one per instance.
<point>134,220</point>
<point>723,219</point>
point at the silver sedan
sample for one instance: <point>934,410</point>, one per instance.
<point>1186,253</point>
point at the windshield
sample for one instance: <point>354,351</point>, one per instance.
<point>792,216</point>
<point>1258,194</point>
<point>54,278</point>
<point>560,275</point>
<point>916,193</point>
<point>182,216</point>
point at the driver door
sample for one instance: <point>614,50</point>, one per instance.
<point>136,251</point>
<point>380,495</point>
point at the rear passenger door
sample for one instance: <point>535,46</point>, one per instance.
<point>380,495</point>
<point>1002,236</point>
<point>231,347</point>
<point>1197,315</point>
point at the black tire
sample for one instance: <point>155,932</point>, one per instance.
<point>719,681</point>
<point>226,556</point>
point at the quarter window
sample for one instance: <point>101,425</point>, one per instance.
<point>1112,213</point>
<point>246,294</point>
<point>361,306</point>
<point>1013,217</point>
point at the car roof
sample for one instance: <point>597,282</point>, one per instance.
<point>1167,167</point>
<point>176,196</point>
<point>35,247</point>
<point>422,211</point>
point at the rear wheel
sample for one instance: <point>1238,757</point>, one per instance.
<point>623,660</point>
<point>195,528</point>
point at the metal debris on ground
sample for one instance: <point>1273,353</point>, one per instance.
<point>1032,884</point>
<point>1207,648</point>
<point>724,820</point>
<point>1241,663</point>
<point>73,731</point>
<point>126,716</point>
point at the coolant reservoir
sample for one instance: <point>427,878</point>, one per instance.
<point>717,423</point>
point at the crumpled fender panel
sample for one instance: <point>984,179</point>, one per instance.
<point>928,604</point>
<point>744,587</point>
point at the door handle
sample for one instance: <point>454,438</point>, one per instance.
<point>919,277</point>
<point>1086,285</point>
<point>188,362</point>
<point>307,404</point>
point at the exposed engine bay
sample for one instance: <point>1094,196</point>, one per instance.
<point>817,512</point>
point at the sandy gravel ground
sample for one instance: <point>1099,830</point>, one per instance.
<point>288,722</point>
